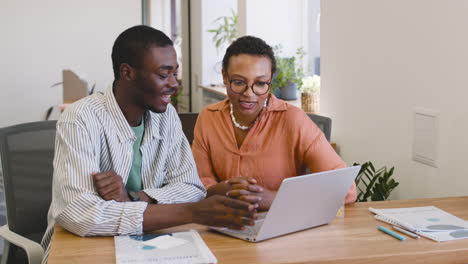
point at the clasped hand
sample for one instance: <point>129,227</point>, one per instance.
<point>246,189</point>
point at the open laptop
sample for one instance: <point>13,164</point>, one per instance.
<point>301,202</point>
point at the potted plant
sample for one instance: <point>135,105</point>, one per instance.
<point>226,32</point>
<point>373,184</point>
<point>289,74</point>
<point>310,94</point>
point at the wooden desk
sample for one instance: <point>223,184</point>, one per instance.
<point>353,239</point>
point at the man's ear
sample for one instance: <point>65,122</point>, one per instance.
<point>127,72</point>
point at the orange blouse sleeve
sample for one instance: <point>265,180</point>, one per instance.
<point>318,153</point>
<point>200,150</point>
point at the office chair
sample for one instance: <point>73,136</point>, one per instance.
<point>189,119</point>
<point>188,124</point>
<point>27,152</point>
<point>323,122</point>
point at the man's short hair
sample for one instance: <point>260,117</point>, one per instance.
<point>250,45</point>
<point>131,45</point>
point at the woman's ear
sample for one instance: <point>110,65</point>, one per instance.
<point>225,77</point>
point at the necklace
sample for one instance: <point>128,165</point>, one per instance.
<point>241,127</point>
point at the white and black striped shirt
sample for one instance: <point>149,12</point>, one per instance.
<point>94,136</point>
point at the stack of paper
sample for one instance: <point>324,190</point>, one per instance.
<point>427,221</point>
<point>175,248</point>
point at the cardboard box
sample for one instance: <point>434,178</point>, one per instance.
<point>74,87</point>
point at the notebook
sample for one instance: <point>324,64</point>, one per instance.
<point>428,221</point>
<point>172,248</point>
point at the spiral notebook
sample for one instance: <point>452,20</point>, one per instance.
<point>174,248</point>
<point>428,221</point>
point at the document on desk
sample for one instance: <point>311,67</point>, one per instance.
<point>174,248</point>
<point>428,221</point>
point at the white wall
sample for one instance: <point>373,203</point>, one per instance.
<point>196,55</point>
<point>212,58</point>
<point>277,22</point>
<point>380,59</point>
<point>40,38</point>
<point>160,15</point>
<point>313,29</point>
<point>206,60</point>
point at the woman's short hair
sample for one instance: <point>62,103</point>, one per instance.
<point>252,46</point>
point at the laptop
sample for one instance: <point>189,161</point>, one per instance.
<point>302,202</point>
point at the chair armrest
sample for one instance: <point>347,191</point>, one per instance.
<point>34,251</point>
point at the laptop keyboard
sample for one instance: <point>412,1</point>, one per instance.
<point>249,230</point>
<point>253,230</point>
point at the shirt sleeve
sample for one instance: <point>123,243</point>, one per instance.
<point>318,153</point>
<point>181,181</point>
<point>200,150</point>
<point>77,205</point>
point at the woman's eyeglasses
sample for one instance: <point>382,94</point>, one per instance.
<point>240,86</point>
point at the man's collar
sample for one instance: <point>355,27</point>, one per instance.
<point>123,129</point>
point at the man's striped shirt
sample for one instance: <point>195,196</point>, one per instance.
<point>94,136</point>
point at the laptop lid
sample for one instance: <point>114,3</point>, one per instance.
<point>307,201</point>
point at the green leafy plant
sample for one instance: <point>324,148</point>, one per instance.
<point>226,32</point>
<point>373,184</point>
<point>176,97</point>
<point>288,69</point>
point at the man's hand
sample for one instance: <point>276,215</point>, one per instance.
<point>223,211</point>
<point>109,185</point>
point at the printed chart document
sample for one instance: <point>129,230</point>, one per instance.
<point>428,221</point>
<point>174,248</point>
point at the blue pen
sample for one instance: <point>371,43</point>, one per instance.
<point>389,232</point>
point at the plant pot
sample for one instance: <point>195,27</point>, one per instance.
<point>310,102</point>
<point>288,92</point>
<point>277,93</point>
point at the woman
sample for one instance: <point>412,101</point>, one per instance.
<point>245,145</point>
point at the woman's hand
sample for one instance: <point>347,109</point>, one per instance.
<point>244,189</point>
<point>223,187</point>
<point>247,190</point>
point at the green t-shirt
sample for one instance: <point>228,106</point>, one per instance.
<point>134,179</point>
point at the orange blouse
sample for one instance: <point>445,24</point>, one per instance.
<point>282,143</point>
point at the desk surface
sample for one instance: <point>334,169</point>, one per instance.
<point>353,239</point>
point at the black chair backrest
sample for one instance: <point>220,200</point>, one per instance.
<point>188,121</point>
<point>27,152</point>
<point>323,122</point>
<point>188,124</point>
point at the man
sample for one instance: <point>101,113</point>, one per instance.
<point>122,163</point>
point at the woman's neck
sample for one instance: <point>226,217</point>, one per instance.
<point>245,120</point>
